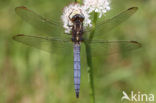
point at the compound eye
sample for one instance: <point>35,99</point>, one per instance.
<point>81,19</point>
<point>73,18</point>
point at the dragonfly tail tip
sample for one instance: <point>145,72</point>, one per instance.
<point>77,94</point>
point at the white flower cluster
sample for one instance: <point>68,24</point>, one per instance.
<point>99,6</point>
<point>70,11</point>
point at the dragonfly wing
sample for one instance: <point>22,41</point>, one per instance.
<point>49,27</point>
<point>107,25</point>
<point>114,47</point>
<point>51,45</point>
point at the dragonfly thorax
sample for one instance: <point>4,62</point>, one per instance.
<point>77,28</point>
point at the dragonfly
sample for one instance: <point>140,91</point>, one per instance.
<point>55,35</point>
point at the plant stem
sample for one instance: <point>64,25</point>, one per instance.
<point>90,72</point>
<point>89,61</point>
<point>94,25</point>
<point>77,1</point>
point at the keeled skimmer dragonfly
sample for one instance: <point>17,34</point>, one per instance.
<point>54,28</point>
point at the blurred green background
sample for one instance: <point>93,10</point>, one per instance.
<point>28,75</point>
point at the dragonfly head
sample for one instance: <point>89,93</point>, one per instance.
<point>75,14</point>
<point>77,18</point>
